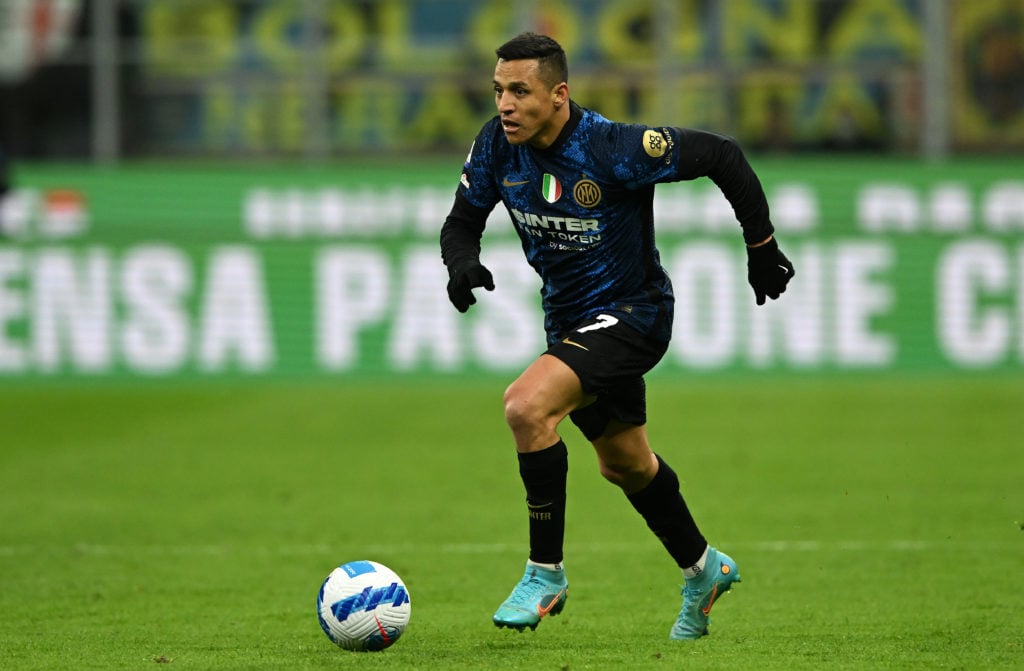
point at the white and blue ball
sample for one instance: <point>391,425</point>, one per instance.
<point>363,605</point>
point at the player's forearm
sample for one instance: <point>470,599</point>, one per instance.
<point>720,158</point>
<point>461,233</point>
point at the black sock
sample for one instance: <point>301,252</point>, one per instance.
<point>662,506</point>
<point>544,474</point>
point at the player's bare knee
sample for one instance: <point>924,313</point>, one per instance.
<point>629,475</point>
<point>520,413</point>
<point>620,474</point>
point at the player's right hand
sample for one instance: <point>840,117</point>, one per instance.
<point>463,280</point>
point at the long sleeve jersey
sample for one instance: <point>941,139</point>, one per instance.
<point>584,211</point>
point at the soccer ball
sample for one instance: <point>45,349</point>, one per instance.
<point>363,605</point>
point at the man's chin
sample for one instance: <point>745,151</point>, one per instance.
<point>516,136</point>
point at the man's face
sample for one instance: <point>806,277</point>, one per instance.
<point>528,107</point>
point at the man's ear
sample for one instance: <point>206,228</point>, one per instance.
<point>560,94</point>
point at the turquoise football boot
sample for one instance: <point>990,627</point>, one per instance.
<point>700,594</point>
<point>541,592</point>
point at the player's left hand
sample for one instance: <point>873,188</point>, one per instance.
<point>768,271</point>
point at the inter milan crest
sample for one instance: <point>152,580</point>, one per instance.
<point>552,188</point>
<point>587,193</point>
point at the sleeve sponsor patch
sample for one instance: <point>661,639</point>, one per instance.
<point>654,143</point>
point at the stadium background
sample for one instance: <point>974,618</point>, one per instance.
<point>228,364</point>
<point>255,188</point>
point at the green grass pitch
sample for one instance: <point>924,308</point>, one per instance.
<point>878,523</point>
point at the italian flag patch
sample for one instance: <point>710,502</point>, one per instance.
<point>552,189</point>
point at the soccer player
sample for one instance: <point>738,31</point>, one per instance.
<point>580,190</point>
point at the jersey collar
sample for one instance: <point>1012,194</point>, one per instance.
<point>575,115</point>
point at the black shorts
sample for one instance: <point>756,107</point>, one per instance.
<point>610,358</point>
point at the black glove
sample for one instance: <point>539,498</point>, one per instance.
<point>768,271</point>
<point>463,280</point>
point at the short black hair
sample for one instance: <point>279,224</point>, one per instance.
<point>554,66</point>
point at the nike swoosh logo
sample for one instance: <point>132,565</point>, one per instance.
<point>383,631</point>
<point>711,600</point>
<point>538,506</point>
<point>784,269</point>
<point>508,183</point>
<point>574,344</point>
<point>544,610</point>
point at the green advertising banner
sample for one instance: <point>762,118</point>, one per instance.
<point>172,271</point>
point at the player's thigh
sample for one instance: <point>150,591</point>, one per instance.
<point>548,388</point>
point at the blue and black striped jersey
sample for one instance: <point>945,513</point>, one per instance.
<point>583,209</point>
